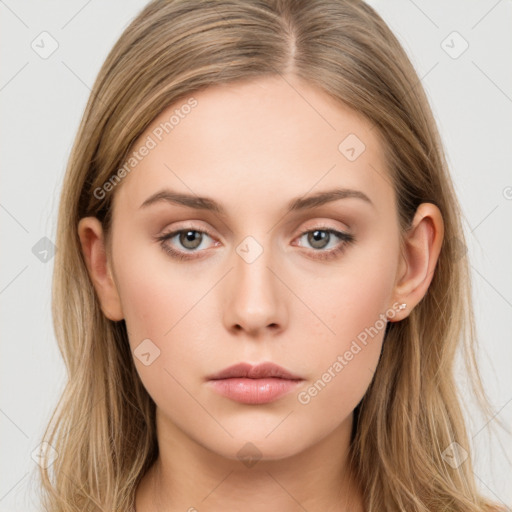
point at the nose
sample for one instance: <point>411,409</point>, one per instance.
<point>253,297</point>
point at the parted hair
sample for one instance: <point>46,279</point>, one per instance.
<point>103,427</point>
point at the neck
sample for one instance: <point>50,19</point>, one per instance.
<point>189,477</point>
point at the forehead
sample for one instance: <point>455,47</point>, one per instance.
<point>259,140</point>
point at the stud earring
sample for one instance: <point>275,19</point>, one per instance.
<point>402,306</point>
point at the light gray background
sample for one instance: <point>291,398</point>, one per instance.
<point>42,100</point>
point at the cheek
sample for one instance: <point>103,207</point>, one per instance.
<point>162,321</point>
<point>156,292</point>
<point>352,308</point>
<point>159,303</point>
<point>349,297</point>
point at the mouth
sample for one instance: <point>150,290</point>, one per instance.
<point>248,384</point>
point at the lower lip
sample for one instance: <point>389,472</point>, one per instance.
<point>254,391</point>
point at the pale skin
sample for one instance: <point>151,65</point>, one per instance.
<point>253,147</point>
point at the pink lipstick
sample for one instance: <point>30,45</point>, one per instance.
<point>250,384</point>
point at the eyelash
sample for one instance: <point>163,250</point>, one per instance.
<point>346,238</point>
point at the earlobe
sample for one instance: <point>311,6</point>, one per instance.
<point>90,232</point>
<point>422,246</point>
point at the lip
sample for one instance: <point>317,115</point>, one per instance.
<point>250,384</point>
<point>259,371</point>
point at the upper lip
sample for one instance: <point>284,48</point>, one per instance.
<point>250,371</point>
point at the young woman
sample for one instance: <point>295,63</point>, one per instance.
<point>260,286</point>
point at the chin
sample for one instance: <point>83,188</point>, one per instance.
<point>253,445</point>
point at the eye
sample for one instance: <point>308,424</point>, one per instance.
<point>319,238</point>
<point>189,239</point>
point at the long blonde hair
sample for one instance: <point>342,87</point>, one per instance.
<point>103,427</point>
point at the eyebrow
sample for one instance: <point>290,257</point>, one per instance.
<point>297,204</point>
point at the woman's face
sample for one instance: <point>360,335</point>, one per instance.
<point>246,284</point>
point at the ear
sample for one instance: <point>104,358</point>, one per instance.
<point>92,240</point>
<point>422,246</point>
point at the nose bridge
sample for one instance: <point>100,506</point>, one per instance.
<point>254,292</point>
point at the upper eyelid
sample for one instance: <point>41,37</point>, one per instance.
<point>171,233</point>
<point>322,224</point>
<point>337,232</point>
<point>319,226</point>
